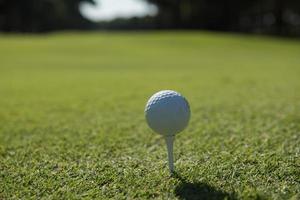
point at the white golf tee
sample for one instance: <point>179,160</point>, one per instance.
<point>170,141</point>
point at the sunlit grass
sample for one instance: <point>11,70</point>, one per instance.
<point>72,122</point>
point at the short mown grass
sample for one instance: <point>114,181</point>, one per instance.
<point>72,123</point>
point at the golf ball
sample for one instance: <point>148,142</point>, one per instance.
<point>167,112</point>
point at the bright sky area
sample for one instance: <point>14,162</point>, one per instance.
<point>106,10</point>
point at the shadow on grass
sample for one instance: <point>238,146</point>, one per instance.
<point>192,191</point>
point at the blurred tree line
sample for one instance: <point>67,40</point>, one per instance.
<point>41,15</point>
<point>281,17</point>
<point>265,16</point>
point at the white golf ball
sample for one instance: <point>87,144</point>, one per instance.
<point>167,112</point>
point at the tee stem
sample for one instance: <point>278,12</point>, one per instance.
<point>170,141</point>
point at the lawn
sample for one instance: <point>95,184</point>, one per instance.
<point>72,116</point>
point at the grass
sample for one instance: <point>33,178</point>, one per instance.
<point>72,123</point>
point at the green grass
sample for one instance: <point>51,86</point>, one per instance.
<point>72,123</point>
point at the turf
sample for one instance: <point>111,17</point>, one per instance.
<point>72,123</point>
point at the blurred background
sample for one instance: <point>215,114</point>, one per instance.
<point>276,17</point>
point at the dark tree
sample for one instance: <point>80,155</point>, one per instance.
<point>41,15</point>
<point>265,16</point>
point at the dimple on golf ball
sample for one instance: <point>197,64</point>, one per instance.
<point>167,112</point>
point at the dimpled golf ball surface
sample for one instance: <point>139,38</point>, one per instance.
<point>167,112</point>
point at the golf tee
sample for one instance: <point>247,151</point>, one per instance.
<point>170,141</point>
